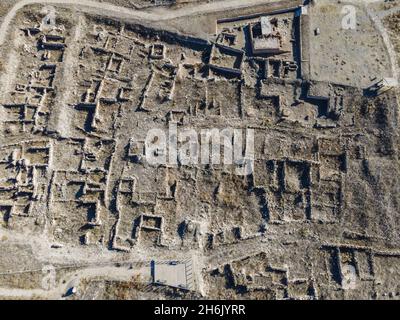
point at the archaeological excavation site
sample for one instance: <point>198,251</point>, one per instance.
<point>311,211</point>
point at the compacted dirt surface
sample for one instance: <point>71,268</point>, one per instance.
<point>109,188</point>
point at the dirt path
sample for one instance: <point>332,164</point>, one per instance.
<point>384,14</point>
